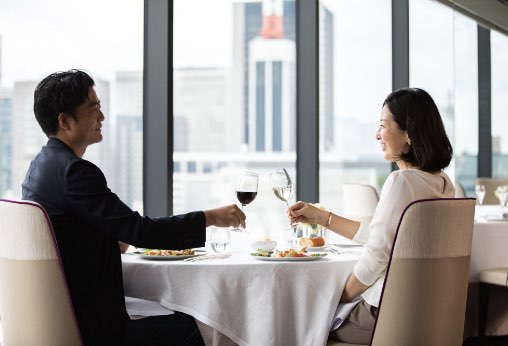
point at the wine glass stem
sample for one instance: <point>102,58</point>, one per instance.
<point>292,225</point>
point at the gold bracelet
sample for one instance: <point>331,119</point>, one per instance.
<point>329,219</point>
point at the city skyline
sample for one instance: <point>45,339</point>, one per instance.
<point>211,73</point>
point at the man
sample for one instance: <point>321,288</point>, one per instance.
<point>89,220</point>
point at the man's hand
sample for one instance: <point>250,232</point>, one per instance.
<point>226,216</point>
<point>123,246</point>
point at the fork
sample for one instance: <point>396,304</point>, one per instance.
<point>206,257</point>
<point>338,250</point>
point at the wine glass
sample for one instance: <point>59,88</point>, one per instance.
<point>502,194</point>
<point>283,188</point>
<point>246,190</point>
<point>480,193</point>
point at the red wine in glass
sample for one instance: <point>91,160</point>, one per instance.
<point>245,197</point>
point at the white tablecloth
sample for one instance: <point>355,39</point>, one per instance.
<point>488,250</point>
<point>251,301</point>
<point>489,247</point>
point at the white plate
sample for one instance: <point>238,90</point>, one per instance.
<point>291,259</point>
<point>171,258</point>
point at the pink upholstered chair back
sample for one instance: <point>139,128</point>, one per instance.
<point>35,305</point>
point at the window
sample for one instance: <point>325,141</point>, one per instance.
<point>33,45</point>
<point>443,61</point>
<point>499,73</point>
<point>465,144</point>
<point>355,78</point>
<point>234,103</point>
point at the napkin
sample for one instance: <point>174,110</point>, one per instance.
<point>343,311</point>
<point>140,308</point>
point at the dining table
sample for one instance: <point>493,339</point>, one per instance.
<point>251,300</point>
<point>488,250</point>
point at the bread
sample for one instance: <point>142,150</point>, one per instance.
<point>312,242</point>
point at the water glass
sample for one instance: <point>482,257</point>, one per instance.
<point>293,235</point>
<point>220,240</point>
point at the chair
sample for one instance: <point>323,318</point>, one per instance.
<point>360,201</point>
<point>491,185</point>
<point>35,305</point>
<point>459,190</point>
<point>424,295</point>
<point>488,277</point>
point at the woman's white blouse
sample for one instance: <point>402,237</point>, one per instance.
<point>401,188</point>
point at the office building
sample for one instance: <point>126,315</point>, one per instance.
<point>5,141</point>
<point>128,178</point>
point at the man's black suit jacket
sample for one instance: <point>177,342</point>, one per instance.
<point>88,220</point>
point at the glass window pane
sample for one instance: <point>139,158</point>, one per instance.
<point>465,146</point>
<point>443,61</point>
<point>499,57</point>
<point>355,78</point>
<point>58,35</point>
<point>234,103</point>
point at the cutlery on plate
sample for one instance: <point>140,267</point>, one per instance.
<point>351,249</point>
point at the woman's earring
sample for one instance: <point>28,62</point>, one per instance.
<point>409,142</point>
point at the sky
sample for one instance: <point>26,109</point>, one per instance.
<point>41,37</point>
<point>103,36</point>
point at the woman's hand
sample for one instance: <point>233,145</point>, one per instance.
<point>307,213</point>
<point>353,289</point>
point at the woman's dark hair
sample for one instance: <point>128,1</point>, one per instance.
<point>60,92</point>
<point>415,112</point>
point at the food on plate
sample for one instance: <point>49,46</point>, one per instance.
<point>291,253</point>
<point>261,253</point>
<point>286,253</point>
<point>295,253</point>
<point>152,252</point>
<point>312,242</point>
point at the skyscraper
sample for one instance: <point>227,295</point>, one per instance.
<point>128,179</point>
<point>0,60</point>
<point>204,112</point>
<point>264,55</point>
<point>247,25</point>
<point>5,140</point>
<point>100,153</point>
<point>326,78</point>
<point>271,84</point>
<point>28,136</point>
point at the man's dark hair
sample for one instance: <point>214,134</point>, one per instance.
<point>415,112</point>
<point>60,92</point>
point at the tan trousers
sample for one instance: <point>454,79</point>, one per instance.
<point>358,326</point>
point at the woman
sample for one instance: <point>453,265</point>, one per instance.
<point>411,134</point>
